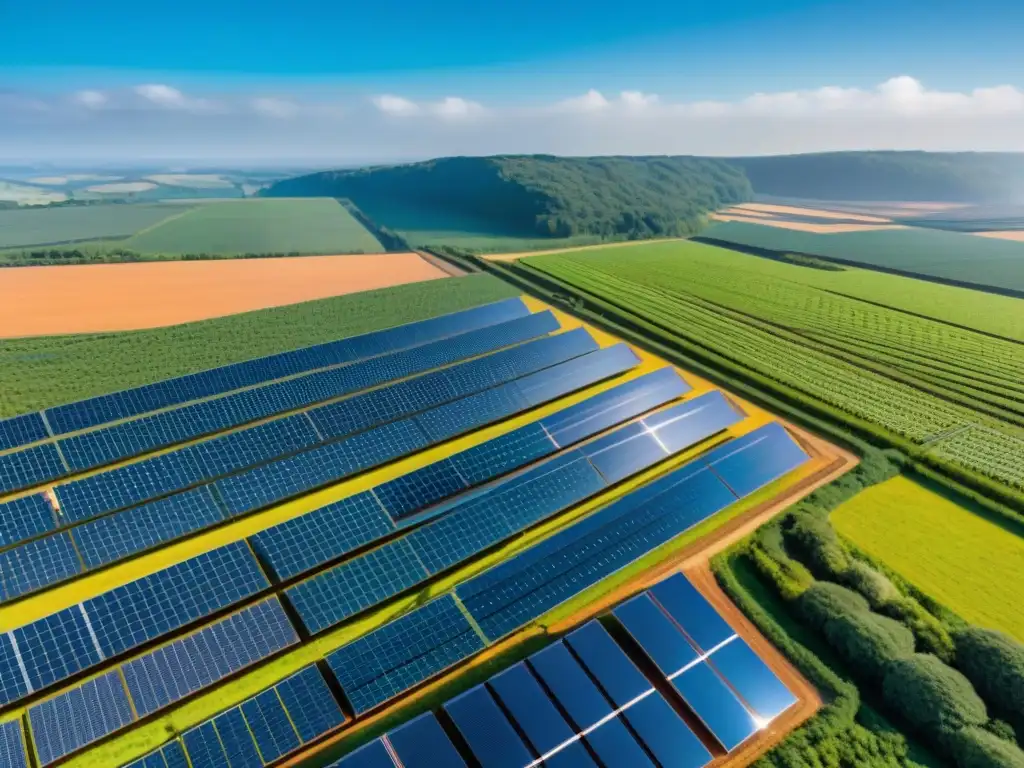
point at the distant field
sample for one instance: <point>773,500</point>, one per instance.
<point>932,253</point>
<point>25,194</point>
<point>960,558</point>
<point>44,371</point>
<point>197,180</point>
<point>282,225</point>
<point>121,187</point>
<point>44,226</point>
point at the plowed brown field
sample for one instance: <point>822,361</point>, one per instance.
<point>38,301</point>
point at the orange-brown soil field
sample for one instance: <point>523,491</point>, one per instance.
<point>816,212</point>
<point>37,301</point>
<point>802,226</point>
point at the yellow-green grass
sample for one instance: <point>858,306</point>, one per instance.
<point>140,740</point>
<point>957,555</point>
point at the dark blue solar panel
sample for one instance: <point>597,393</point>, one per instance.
<point>288,477</point>
<point>275,735</point>
<point>691,611</point>
<point>372,755</point>
<point>624,452</point>
<point>75,718</point>
<point>56,647</point>
<point>38,564</point>
<point>422,743</point>
<point>607,409</point>
<point>304,542</point>
<point>310,704</point>
<point>127,533</point>
<point>666,734</point>
<point>511,506</point>
<point>471,412</point>
<point>687,424</point>
<point>12,682</point>
<point>767,453</point>
<point>29,466</point>
<point>86,413</point>
<point>538,718</point>
<point>236,738</point>
<point>418,489</point>
<point>586,706</point>
<point>717,707</point>
<point>503,454</point>
<point>487,731</point>
<point>12,745</point>
<point>197,661</point>
<point>656,634</point>
<point>753,679</point>
<point>343,591</point>
<point>166,600</point>
<point>550,384</point>
<point>403,653</point>
<point>204,748</point>
<point>616,675</point>
<point>22,430</point>
<point>24,518</point>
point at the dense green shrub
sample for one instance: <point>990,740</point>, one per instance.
<point>869,642</point>
<point>934,698</point>
<point>815,541</point>
<point>824,601</point>
<point>875,587</point>
<point>994,662</point>
<point>1002,729</point>
<point>978,748</point>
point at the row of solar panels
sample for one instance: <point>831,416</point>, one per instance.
<point>372,670</point>
<point>172,672</point>
<point>583,702</point>
<point>411,649</point>
<point>98,542</point>
<point>52,460</point>
<point>33,427</point>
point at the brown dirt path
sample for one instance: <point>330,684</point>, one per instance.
<point>37,301</point>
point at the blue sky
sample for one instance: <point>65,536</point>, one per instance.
<point>214,77</point>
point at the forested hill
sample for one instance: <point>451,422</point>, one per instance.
<point>931,176</point>
<point>612,197</point>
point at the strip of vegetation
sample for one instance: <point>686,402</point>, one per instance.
<point>70,256</point>
<point>392,241</point>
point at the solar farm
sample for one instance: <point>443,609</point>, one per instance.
<point>311,557</point>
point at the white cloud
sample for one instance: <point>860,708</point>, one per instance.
<point>168,97</point>
<point>638,99</point>
<point>455,108</point>
<point>448,108</point>
<point>274,107</point>
<point>91,99</point>
<point>395,105</point>
<point>591,101</point>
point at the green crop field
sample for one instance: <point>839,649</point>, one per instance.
<point>957,391</point>
<point>314,226</point>
<point>957,556</point>
<point>931,253</point>
<point>44,226</point>
<point>40,372</point>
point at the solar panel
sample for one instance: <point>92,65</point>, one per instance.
<point>13,753</point>
<point>420,488</point>
<point>22,430</point>
<point>304,542</point>
<point>29,467</point>
<point>555,382</point>
<point>403,653</point>
<point>24,518</point>
<point>717,707</point>
<point>273,731</point>
<point>487,731</point>
<point>624,452</point>
<point>310,704</point>
<point>422,743</point>
<point>192,663</point>
<point>343,591</point>
<point>13,685</point>
<point>372,755</point>
<point>756,459</point>
<point>98,410</point>
<point>656,634</point>
<point>753,680</point>
<point>118,536</point>
<point>570,425</point>
<point>666,734</point>
<point>691,611</point>
<point>204,747</point>
<point>38,564</point>
<point>166,600</point>
<point>586,706</point>
<point>503,454</point>
<point>79,716</point>
<point>468,413</point>
<point>236,738</point>
<point>56,647</point>
<point>538,718</point>
<point>171,755</point>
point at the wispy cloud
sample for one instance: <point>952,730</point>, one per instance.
<point>90,99</point>
<point>275,107</point>
<point>450,107</point>
<point>168,97</point>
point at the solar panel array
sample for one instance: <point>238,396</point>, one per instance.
<point>137,688</point>
<point>13,753</point>
<point>108,444</point>
<point>584,702</point>
<point>259,731</point>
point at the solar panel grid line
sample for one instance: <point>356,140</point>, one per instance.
<point>13,749</point>
<point>30,467</point>
<point>272,729</point>
<point>310,704</point>
<point>38,564</point>
<point>238,741</point>
<point>25,518</point>
<point>98,410</point>
<point>25,429</point>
